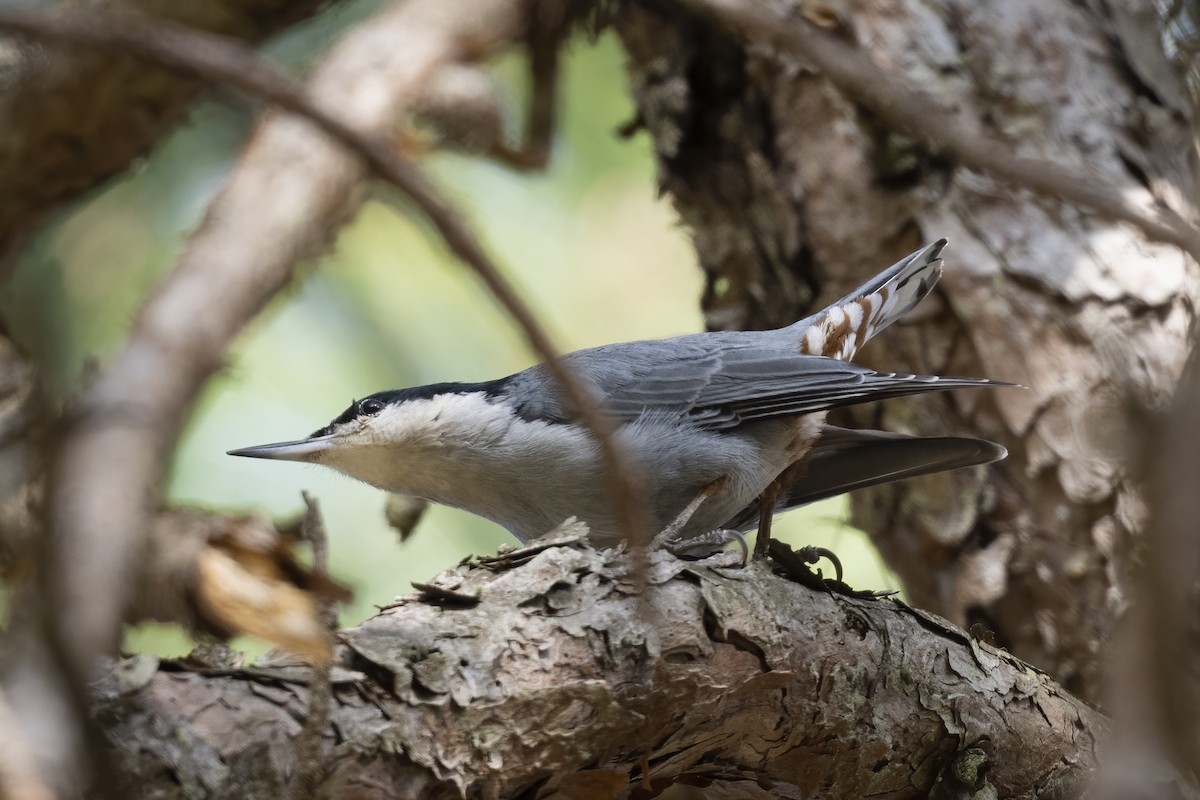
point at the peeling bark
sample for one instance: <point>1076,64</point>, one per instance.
<point>564,680</point>
<point>796,194</point>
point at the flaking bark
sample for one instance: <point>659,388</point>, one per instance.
<point>564,680</point>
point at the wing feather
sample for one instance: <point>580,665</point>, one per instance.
<point>718,381</point>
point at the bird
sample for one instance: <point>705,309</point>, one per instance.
<point>727,426</point>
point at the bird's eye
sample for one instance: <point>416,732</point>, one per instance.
<point>370,407</point>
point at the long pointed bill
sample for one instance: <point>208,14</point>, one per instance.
<point>302,450</point>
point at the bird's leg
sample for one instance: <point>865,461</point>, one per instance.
<point>668,535</point>
<point>766,512</point>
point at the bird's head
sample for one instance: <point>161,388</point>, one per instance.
<point>388,438</point>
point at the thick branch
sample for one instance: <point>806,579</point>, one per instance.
<point>555,675</point>
<point>555,679</point>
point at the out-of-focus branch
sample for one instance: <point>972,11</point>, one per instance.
<point>1170,585</point>
<point>852,71</point>
<point>305,781</point>
<point>74,118</point>
<point>546,31</point>
<point>823,695</point>
<point>19,776</point>
<point>292,187</point>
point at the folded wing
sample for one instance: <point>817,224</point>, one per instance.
<point>719,381</point>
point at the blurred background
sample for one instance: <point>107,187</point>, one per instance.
<point>589,243</point>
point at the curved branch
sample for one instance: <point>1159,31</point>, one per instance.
<point>554,680</point>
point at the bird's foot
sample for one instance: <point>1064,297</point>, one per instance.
<point>794,564</point>
<point>707,545</point>
<point>668,536</point>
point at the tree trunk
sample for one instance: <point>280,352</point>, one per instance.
<point>795,194</point>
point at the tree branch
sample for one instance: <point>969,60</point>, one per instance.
<point>555,681</point>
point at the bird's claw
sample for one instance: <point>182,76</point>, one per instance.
<point>794,564</point>
<point>706,544</point>
<point>811,554</point>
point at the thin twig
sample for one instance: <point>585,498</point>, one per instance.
<point>306,780</point>
<point>853,71</point>
<point>314,532</point>
<point>545,44</point>
<point>228,61</point>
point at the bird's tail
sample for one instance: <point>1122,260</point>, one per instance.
<point>841,329</point>
<point>844,460</point>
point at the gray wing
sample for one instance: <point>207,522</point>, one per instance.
<point>717,380</point>
<point>844,460</point>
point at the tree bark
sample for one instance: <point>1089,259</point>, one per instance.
<point>796,193</point>
<point>566,680</point>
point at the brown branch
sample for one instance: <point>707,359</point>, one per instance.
<point>19,776</point>
<point>903,107</point>
<point>304,782</point>
<point>823,695</point>
<point>1163,627</point>
<point>545,43</point>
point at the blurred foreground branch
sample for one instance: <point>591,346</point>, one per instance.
<point>553,684</point>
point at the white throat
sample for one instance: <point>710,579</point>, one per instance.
<point>460,450</point>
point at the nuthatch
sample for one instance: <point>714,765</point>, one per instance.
<point>740,411</point>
